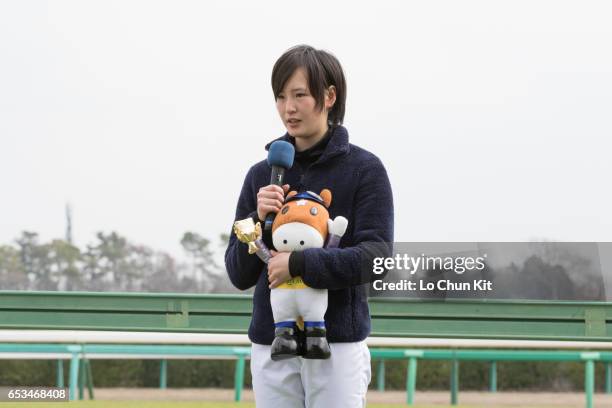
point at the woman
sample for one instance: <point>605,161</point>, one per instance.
<point>310,92</point>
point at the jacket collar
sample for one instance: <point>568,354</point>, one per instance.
<point>338,144</point>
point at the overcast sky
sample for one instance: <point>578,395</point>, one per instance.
<point>492,118</point>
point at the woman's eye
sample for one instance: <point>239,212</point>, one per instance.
<point>280,97</point>
<point>300,95</point>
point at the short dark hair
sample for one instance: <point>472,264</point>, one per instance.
<point>323,70</point>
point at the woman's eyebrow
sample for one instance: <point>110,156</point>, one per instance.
<point>298,89</point>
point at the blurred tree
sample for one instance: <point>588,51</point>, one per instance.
<point>224,238</point>
<point>164,275</point>
<point>138,268</point>
<point>203,268</point>
<point>12,272</point>
<point>106,262</point>
<point>223,284</point>
<point>36,262</point>
<point>64,260</point>
<point>111,262</point>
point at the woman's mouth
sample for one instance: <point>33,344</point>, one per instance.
<point>293,122</point>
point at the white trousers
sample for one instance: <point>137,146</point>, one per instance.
<point>338,382</point>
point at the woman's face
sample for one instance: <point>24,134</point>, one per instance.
<point>296,107</point>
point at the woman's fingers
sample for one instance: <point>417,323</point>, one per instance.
<point>272,188</point>
<point>274,195</point>
<point>270,204</point>
<point>273,284</point>
<point>270,199</point>
<point>267,206</point>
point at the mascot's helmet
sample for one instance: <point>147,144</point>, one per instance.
<point>307,208</point>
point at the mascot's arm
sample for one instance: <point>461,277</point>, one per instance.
<point>372,236</point>
<point>336,229</point>
<point>243,268</point>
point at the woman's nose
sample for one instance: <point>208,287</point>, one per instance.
<point>290,107</point>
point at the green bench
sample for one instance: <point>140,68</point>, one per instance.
<point>529,320</point>
<point>161,312</point>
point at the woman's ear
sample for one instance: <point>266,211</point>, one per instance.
<point>330,97</point>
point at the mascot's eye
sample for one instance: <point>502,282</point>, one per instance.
<point>301,242</point>
<point>285,209</point>
<point>284,241</point>
<point>314,211</point>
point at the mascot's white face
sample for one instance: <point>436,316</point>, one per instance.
<point>296,236</point>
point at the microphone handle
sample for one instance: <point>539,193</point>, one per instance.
<point>277,176</point>
<point>268,222</point>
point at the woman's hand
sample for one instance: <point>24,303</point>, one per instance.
<point>270,199</point>
<point>278,268</point>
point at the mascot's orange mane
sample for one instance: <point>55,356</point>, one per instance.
<point>307,208</point>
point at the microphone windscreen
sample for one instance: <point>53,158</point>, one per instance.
<point>281,154</point>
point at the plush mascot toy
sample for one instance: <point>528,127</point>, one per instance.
<point>303,222</point>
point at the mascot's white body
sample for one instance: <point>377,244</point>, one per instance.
<point>303,223</point>
<point>294,298</point>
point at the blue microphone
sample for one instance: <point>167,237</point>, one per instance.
<point>280,159</point>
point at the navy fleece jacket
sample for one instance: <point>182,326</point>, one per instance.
<point>360,192</point>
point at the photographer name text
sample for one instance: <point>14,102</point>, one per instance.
<point>441,285</point>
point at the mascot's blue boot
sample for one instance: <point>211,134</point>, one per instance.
<point>317,346</point>
<point>285,343</point>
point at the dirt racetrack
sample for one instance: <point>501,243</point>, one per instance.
<point>469,398</point>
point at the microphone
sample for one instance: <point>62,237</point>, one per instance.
<point>280,158</point>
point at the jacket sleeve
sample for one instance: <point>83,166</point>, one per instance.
<point>243,268</point>
<point>337,268</point>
